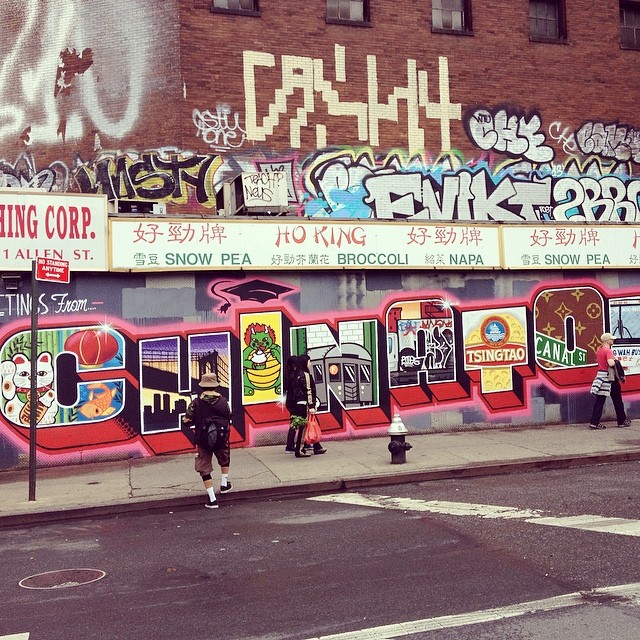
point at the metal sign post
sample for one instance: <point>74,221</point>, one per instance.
<point>33,386</point>
<point>48,270</point>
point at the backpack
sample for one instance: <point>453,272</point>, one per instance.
<point>212,422</point>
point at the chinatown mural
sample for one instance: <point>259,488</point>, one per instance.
<point>119,355</point>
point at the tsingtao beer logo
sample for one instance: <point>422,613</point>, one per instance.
<point>496,341</point>
<point>494,331</point>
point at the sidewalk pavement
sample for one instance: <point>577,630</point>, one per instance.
<point>170,482</point>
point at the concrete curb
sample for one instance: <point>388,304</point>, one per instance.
<point>307,488</point>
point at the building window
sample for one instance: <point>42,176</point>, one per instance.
<point>348,11</point>
<point>451,16</point>
<point>546,20</point>
<point>236,6</point>
<point>630,25</point>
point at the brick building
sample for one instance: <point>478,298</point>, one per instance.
<point>461,186</point>
<point>88,91</point>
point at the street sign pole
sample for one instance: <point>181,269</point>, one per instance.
<point>33,388</point>
<point>49,270</point>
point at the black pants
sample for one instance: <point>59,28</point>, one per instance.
<point>616,397</point>
<point>294,436</point>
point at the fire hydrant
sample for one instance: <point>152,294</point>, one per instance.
<point>398,447</point>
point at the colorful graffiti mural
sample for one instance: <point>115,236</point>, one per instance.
<point>348,182</point>
<point>351,182</point>
<point>117,360</point>
<point>166,175</point>
<point>113,389</point>
<point>355,183</point>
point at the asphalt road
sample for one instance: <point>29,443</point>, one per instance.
<point>306,568</point>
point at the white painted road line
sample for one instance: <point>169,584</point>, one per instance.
<point>631,592</point>
<point>16,636</point>
<point>433,506</point>
<point>600,524</point>
<point>618,526</point>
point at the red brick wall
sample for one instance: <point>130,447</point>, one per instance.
<point>154,63</point>
<point>590,77</point>
<point>122,70</point>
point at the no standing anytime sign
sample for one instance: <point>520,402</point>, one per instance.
<point>51,270</point>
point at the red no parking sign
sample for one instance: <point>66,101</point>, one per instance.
<point>50,270</point>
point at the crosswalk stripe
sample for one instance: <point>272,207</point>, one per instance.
<point>631,592</point>
<point>600,524</point>
<point>16,636</point>
<point>616,526</point>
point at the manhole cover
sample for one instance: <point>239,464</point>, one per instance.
<point>62,578</point>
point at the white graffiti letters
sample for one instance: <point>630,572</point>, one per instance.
<point>478,197</point>
<point>609,141</point>
<point>343,186</point>
<point>216,130</point>
<point>564,135</point>
<point>460,197</point>
<point>307,75</point>
<point>587,199</point>
<point>47,57</point>
<point>510,134</point>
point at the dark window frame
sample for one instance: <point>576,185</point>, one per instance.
<point>467,21</point>
<point>350,370</point>
<point>366,17</point>
<point>561,37</point>
<point>634,7</point>
<point>238,12</point>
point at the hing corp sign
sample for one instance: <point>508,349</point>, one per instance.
<point>57,226</point>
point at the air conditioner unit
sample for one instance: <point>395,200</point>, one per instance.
<point>232,200</point>
<point>137,207</point>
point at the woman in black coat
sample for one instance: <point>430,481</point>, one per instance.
<point>300,389</point>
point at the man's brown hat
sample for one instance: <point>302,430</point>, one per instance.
<point>209,381</point>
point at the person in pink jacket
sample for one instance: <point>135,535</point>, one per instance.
<point>607,384</point>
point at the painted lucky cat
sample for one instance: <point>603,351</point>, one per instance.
<point>16,389</point>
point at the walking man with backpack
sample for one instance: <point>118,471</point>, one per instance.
<point>211,416</point>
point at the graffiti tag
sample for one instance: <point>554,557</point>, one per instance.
<point>216,130</point>
<point>507,133</point>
